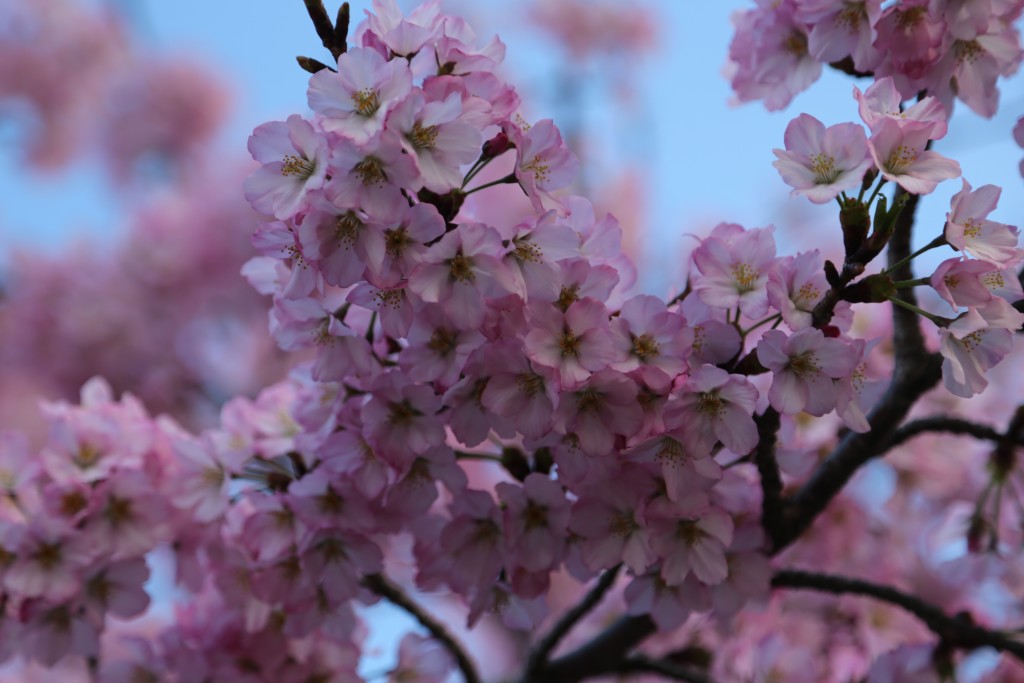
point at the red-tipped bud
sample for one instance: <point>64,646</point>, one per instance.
<point>496,146</point>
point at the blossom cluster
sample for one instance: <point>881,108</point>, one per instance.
<point>951,49</point>
<point>823,164</point>
<point>489,405</point>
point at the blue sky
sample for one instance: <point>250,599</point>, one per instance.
<point>706,161</point>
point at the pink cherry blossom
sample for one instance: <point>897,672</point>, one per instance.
<point>294,158</point>
<point>804,365</point>
<point>882,100</point>
<point>421,660</point>
<point>841,29</point>
<point>440,142</point>
<point>769,56</point>
<point>969,350</point>
<point>968,227</point>
<point>371,176</point>
<point>898,149</point>
<point>543,162</point>
<point>718,406</point>
<point>821,162</point>
<point>734,264</point>
<point>356,99</point>
<point>597,411</point>
<point>795,286</point>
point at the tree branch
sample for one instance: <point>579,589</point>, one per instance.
<point>539,655</point>
<point>907,338</point>
<point>768,468</point>
<point>384,588</point>
<point>915,373</point>
<point>939,423</point>
<point>663,668</point>
<point>958,631</point>
<point>599,656</point>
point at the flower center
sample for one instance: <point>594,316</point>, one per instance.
<point>689,532</point>
<point>804,365</point>
<point>589,401</point>
<point>530,384</point>
<point>538,168</point>
<point>795,44</point>
<point>971,228</point>
<point>569,344</point>
<point>401,413</point>
<point>443,341</point>
<point>967,51</point>
<point>395,241</point>
<point>527,250</point>
<point>900,158</point>
<point>824,168</point>
<point>993,280</point>
<point>422,137</point>
<point>569,295</point>
<point>388,298</point>
<point>850,17</point>
<point>366,101</point>
<point>461,268</point>
<point>347,227</point>
<point>806,296</point>
<point>371,171</point>
<point>297,166</point>
<point>671,453</point>
<point>745,275</point>
<point>645,347</point>
<point>710,403</point>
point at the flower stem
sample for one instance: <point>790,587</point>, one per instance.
<point>510,178</point>
<point>903,284</point>
<point>937,319</point>
<point>937,242</point>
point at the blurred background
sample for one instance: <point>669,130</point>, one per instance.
<point>123,128</point>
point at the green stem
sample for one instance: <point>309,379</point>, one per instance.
<point>510,178</point>
<point>903,284</point>
<point>937,319</point>
<point>478,165</point>
<point>937,242</point>
<point>776,317</point>
<point>878,188</point>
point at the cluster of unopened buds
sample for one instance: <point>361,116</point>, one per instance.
<point>624,429</point>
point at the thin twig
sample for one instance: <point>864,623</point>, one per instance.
<point>539,656</point>
<point>958,631</point>
<point>384,588</point>
<point>940,423</point>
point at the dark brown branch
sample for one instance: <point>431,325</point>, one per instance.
<point>539,656</point>
<point>948,425</point>
<point>768,468</point>
<point>907,338</point>
<point>600,655</point>
<point>384,588</point>
<point>845,65</point>
<point>662,667</point>
<point>311,65</point>
<point>957,631</point>
<point>341,28</point>
<point>333,35</point>
<point>915,373</point>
